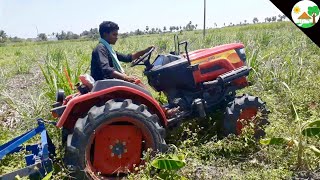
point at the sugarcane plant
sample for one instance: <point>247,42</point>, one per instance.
<point>306,130</point>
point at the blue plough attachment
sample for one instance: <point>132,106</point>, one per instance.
<point>38,162</point>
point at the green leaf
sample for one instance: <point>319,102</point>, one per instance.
<point>181,157</point>
<point>311,131</point>
<point>274,141</point>
<point>314,124</point>
<point>314,149</point>
<point>17,177</point>
<point>48,176</point>
<point>168,164</point>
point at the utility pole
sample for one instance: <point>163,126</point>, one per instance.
<point>204,19</point>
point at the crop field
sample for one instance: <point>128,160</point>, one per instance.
<point>286,66</point>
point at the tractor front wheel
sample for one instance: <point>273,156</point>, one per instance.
<point>111,139</point>
<point>241,112</point>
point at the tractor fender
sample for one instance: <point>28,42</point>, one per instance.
<point>78,106</point>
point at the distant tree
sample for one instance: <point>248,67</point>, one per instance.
<point>85,33</point>
<point>15,39</point>
<point>190,26</point>
<point>255,20</point>
<point>93,33</point>
<point>61,36</point>
<point>284,17</point>
<point>164,29</point>
<point>124,35</point>
<point>71,35</point>
<point>215,25</point>
<point>245,21</point>
<point>42,37</point>
<point>138,32</point>
<point>153,30</point>
<point>147,29</point>
<point>313,11</point>
<point>3,36</point>
<point>269,19</point>
<point>274,18</point>
<point>171,28</point>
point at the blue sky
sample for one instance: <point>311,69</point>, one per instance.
<point>22,18</point>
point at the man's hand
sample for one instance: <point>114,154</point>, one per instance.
<point>148,49</point>
<point>118,75</point>
<point>131,79</point>
<point>140,53</point>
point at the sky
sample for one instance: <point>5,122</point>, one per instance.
<point>24,18</point>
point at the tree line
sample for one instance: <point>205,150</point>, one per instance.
<point>93,33</point>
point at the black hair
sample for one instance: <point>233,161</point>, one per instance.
<point>107,26</point>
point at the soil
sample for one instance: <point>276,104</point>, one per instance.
<point>18,90</point>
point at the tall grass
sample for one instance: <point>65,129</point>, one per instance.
<point>59,72</point>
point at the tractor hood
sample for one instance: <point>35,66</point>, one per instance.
<point>213,53</point>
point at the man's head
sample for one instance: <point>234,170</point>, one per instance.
<point>109,31</point>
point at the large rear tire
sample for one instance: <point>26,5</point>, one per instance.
<point>110,140</point>
<point>243,110</point>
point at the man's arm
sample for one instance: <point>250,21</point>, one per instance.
<point>140,53</point>
<point>130,57</point>
<point>122,76</point>
<point>110,72</point>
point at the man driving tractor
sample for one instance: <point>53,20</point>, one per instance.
<point>105,61</point>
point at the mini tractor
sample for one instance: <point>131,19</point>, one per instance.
<point>108,124</point>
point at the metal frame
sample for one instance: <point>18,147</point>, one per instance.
<point>38,162</point>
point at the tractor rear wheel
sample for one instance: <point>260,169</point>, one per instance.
<point>110,140</point>
<point>243,110</point>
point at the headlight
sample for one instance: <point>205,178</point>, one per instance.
<point>242,51</point>
<point>242,54</point>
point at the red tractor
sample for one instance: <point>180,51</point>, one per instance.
<point>109,123</point>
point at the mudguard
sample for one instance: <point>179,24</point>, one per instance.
<point>78,106</point>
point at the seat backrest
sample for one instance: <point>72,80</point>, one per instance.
<point>107,83</point>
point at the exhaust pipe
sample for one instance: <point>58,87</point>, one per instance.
<point>229,76</point>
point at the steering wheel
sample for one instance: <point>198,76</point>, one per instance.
<point>146,57</point>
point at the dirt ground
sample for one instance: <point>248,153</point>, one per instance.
<point>18,91</point>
